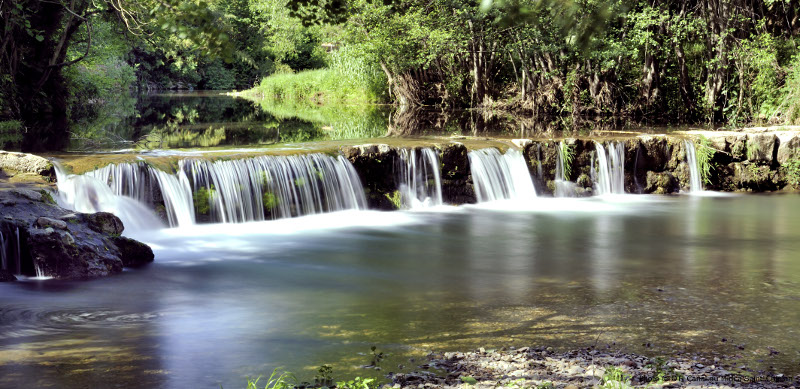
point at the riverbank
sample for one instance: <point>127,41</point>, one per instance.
<point>607,367</point>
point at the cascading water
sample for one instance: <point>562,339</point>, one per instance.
<point>610,168</point>
<point>3,248</point>
<point>695,183</point>
<point>86,193</point>
<point>420,182</point>
<point>500,176</point>
<point>224,191</point>
<point>19,254</point>
<point>241,190</point>
<point>563,187</point>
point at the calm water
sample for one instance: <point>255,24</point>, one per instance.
<point>224,302</point>
<point>213,119</point>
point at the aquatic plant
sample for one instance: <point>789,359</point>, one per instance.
<point>324,376</point>
<point>615,378</point>
<point>792,170</point>
<point>279,379</point>
<point>202,199</point>
<point>704,153</point>
<point>567,153</point>
<point>270,200</point>
<point>357,383</point>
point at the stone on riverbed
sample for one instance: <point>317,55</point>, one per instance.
<point>133,252</point>
<point>58,243</point>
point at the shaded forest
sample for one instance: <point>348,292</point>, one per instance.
<point>710,61</point>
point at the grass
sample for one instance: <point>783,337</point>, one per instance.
<point>704,153</point>
<point>567,153</point>
<point>347,79</point>
<point>615,378</point>
<point>792,169</point>
<point>279,379</point>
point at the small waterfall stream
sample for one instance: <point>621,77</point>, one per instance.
<point>500,176</point>
<point>563,187</point>
<point>695,183</point>
<point>231,191</point>
<point>19,254</point>
<point>420,182</point>
<point>3,255</point>
<point>610,168</point>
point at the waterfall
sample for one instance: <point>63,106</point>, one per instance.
<point>500,176</point>
<point>241,190</point>
<point>86,193</point>
<point>419,179</point>
<point>229,191</point>
<point>563,187</point>
<point>695,184</point>
<point>19,254</point>
<point>3,248</point>
<point>610,168</point>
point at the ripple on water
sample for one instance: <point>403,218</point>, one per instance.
<point>20,322</point>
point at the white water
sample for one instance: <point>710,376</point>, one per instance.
<point>420,182</point>
<point>292,186</point>
<point>236,190</point>
<point>695,183</point>
<point>563,187</point>
<point>19,254</point>
<point>88,194</point>
<point>610,168</point>
<point>3,252</point>
<point>500,176</point>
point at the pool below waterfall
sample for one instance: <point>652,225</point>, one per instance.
<point>717,275</point>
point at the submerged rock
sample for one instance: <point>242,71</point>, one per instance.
<point>661,183</point>
<point>132,252</point>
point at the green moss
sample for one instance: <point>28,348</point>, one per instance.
<point>47,197</point>
<point>202,200</point>
<point>270,200</point>
<point>396,199</point>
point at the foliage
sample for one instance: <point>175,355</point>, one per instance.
<point>396,199</point>
<point>279,379</point>
<point>704,153</point>
<point>566,154</point>
<point>202,199</point>
<point>270,200</point>
<point>615,378</point>
<point>324,376</point>
<point>469,380</point>
<point>358,383</point>
<point>792,170</point>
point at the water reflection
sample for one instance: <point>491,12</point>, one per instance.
<point>213,119</point>
<point>676,273</point>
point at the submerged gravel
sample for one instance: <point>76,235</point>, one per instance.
<point>543,368</point>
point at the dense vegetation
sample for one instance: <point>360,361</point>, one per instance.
<point>732,61</point>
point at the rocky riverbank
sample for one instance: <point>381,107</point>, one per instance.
<point>531,367</point>
<point>40,238</point>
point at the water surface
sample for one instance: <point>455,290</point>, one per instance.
<point>639,273</point>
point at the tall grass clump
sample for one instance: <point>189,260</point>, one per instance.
<point>348,79</point>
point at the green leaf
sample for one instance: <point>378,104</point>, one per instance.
<point>39,38</point>
<point>469,380</point>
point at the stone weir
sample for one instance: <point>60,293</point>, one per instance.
<point>428,172</point>
<point>571,167</point>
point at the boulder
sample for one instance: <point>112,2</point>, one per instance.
<point>761,148</point>
<point>789,149</point>
<point>661,183</point>
<point>16,163</point>
<point>457,187</point>
<point>105,222</point>
<point>56,254</point>
<point>132,252</point>
<point>44,222</point>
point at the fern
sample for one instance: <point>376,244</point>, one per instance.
<point>567,153</point>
